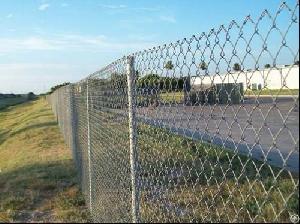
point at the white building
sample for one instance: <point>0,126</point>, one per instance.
<point>271,78</point>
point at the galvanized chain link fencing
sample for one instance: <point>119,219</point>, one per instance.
<point>205,129</point>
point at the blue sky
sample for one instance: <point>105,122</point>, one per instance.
<point>46,42</point>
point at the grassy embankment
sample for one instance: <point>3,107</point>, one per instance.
<point>37,177</point>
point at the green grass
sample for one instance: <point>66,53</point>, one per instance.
<point>6,102</point>
<point>178,97</point>
<point>215,184</point>
<point>184,180</point>
<point>272,92</point>
<point>38,180</point>
<point>172,97</point>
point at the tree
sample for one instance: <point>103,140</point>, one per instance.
<point>237,67</point>
<point>30,96</point>
<point>118,81</point>
<point>296,63</point>
<point>203,65</point>
<point>149,80</point>
<point>169,65</point>
<point>58,86</point>
<point>267,66</point>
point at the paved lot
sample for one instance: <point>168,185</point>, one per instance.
<point>266,129</point>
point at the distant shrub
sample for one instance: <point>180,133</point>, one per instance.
<point>58,86</point>
<point>203,65</point>
<point>237,67</point>
<point>169,65</point>
<point>163,83</point>
<point>31,96</point>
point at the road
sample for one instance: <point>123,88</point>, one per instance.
<point>263,129</point>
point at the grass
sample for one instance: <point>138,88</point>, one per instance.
<point>206,183</point>
<point>273,92</point>
<point>38,181</point>
<point>6,102</point>
<point>183,180</point>
<point>178,97</point>
<point>172,97</point>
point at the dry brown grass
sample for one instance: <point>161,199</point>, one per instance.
<point>37,177</point>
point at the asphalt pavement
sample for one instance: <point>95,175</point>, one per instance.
<point>266,129</point>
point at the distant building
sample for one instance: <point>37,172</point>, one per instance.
<point>271,78</point>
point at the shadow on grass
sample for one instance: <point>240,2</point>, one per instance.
<point>35,116</point>
<point>3,136</point>
<point>34,126</point>
<point>8,132</point>
<point>41,187</point>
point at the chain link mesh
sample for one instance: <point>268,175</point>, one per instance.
<point>215,124</point>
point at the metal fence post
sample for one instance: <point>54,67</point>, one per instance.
<point>56,107</point>
<point>133,139</point>
<point>72,125</point>
<point>89,143</point>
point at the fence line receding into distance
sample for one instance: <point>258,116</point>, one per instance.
<point>205,129</point>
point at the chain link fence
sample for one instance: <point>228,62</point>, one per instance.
<point>205,129</point>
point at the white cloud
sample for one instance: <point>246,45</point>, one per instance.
<point>39,77</point>
<point>36,77</point>
<point>9,16</point>
<point>44,7</point>
<point>69,42</point>
<point>25,66</point>
<point>114,6</point>
<point>150,9</point>
<point>30,43</point>
<point>169,19</point>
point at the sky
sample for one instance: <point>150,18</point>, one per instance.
<point>47,42</point>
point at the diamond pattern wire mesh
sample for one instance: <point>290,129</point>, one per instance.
<point>216,123</point>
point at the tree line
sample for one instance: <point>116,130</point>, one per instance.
<point>58,86</point>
